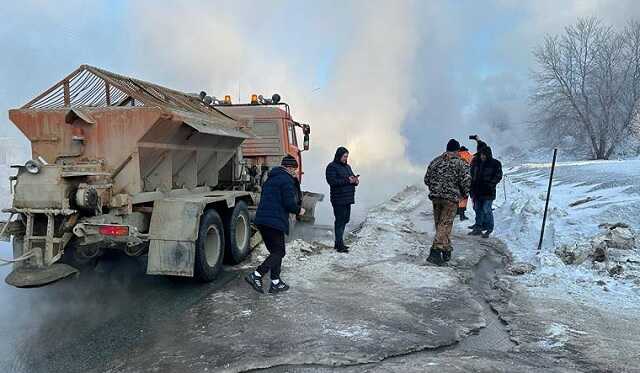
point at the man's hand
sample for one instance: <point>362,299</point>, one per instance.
<point>354,180</point>
<point>302,211</point>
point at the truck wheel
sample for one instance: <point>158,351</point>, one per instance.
<point>238,233</point>
<point>209,247</point>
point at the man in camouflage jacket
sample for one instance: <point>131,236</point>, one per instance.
<point>449,181</point>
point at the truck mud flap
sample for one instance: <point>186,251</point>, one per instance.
<point>309,201</point>
<point>172,258</point>
<point>173,232</point>
<point>25,277</point>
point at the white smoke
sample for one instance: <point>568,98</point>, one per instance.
<point>362,106</point>
<point>401,77</point>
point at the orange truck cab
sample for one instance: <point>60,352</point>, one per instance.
<point>277,134</point>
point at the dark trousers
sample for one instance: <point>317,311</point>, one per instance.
<point>274,240</point>
<point>342,215</point>
<point>484,214</point>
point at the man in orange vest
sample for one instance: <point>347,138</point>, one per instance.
<point>466,156</point>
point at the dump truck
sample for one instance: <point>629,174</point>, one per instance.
<point>121,164</point>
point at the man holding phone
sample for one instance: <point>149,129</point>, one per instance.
<point>342,182</point>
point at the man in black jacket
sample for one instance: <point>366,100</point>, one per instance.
<point>342,182</point>
<point>486,173</point>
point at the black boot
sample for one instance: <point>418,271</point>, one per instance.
<point>435,257</point>
<point>463,217</point>
<point>342,249</point>
<point>446,256</point>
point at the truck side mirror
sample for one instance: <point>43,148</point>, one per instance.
<point>306,141</point>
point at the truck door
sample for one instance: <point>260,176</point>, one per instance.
<point>292,146</point>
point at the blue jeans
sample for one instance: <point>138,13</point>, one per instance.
<point>484,214</point>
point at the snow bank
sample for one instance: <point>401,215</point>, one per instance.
<point>585,197</point>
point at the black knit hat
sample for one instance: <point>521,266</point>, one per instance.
<point>464,149</point>
<point>453,145</point>
<point>289,161</point>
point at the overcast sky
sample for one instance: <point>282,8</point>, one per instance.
<point>391,80</point>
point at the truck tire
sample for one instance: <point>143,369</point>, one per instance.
<point>238,233</point>
<point>209,247</point>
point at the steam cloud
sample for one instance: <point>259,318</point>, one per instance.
<point>362,106</point>
<point>392,81</point>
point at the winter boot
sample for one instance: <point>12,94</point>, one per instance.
<point>475,232</point>
<point>278,288</point>
<point>255,282</point>
<point>435,257</point>
<point>342,248</point>
<point>446,255</point>
<point>473,226</point>
<point>463,217</point>
<point>487,233</point>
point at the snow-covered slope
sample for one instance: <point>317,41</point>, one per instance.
<point>584,196</point>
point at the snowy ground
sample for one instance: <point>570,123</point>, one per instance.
<point>579,310</point>
<point>613,191</point>
<point>380,309</point>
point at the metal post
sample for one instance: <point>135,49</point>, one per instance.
<point>546,206</point>
<point>504,188</point>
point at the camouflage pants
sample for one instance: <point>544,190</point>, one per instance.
<point>444,212</point>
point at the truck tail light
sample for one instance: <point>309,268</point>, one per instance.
<point>114,230</point>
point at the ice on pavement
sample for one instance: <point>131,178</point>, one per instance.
<point>607,192</point>
<point>389,230</point>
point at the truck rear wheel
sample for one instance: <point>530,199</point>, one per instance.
<point>238,233</point>
<point>209,247</point>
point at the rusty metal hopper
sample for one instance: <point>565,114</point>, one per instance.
<point>143,136</point>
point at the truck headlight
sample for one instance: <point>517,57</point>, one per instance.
<point>32,167</point>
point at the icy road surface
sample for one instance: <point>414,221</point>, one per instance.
<point>378,308</point>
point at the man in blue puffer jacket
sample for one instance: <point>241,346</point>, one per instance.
<point>279,198</point>
<point>343,184</point>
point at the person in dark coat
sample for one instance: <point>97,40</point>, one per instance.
<point>342,183</point>
<point>279,198</point>
<point>486,174</point>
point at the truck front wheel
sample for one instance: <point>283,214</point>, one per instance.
<point>238,233</point>
<point>209,247</point>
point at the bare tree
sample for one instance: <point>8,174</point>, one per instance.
<point>588,84</point>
